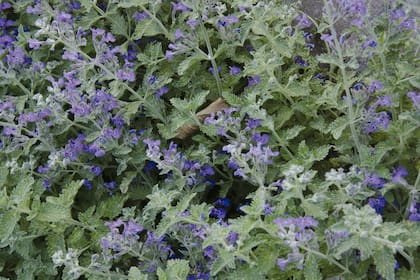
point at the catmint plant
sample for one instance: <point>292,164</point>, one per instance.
<point>209,139</point>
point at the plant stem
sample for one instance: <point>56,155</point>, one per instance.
<point>342,67</point>
<point>210,55</point>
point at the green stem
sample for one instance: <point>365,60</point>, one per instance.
<point>342,67</point>
<point>152,16</point>
<point>325,257</point>
<point>210,55</point>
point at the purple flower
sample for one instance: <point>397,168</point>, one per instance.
<point>327,38</point>
<point>303,21</point>
<point>63,17</point>
<point>232,238</point>
<point>96,170</point>
<point>227,20</point>
<point>222,202</point>
<point>140,16</point>
<point>281,263</point>
<point>414,217</point>
<point>209,252</point>
<point>267,209</point>
<point>299,60</point>
<point>126,75</point>
<point>118,121</point>
<point>110,185</point>
<point>300,222</point>
<point>47,184</point>
<point>211,70</point>
<point>217,213</point>
<point>383,101</point>
<point>112,133</point>
<point>259,138</point>
<point>169,55</point>
<point>253,80</point>
<point>179,6</point>
<point>206,170</point>
<point>415,98</point>
<point>43,170</point>
<point>397,14</point>
<point>369,43</point>
<point>375,120</point>
<point>161,91</point>
<point>378,204</point>
<point>193,23</point>
<point>374,86</point>
<point>88,184</point>
<point>407,24</point>
<point>373,180</point>
<point>5,6</point>
<point>233,70</point>
<point>178,34</point>
<point>72,56</point>
<point>398,175</point>
<point>132,228</point>
<point>253,123</point>
<point>34,43</point>
<point>16,56</point>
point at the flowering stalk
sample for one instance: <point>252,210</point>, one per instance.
<point>346,83</point>
<point>210,55</point>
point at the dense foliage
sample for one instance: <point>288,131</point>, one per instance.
<point>146,139</point>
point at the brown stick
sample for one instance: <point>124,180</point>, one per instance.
<point>186,130</point>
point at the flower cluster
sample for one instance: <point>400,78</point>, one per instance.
<point>296,232</point>
<point>248,149</point>
<point>176,166</point>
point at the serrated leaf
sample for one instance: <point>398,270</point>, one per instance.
<point>8,223</point>
<point>291,133</point>
<point>50,212</point>
<point>225,259</point>
<point>315,210</point>
<point>131,3</point>
<point>311,268</point>
<point>118,25</point>
<point>126,181</point>
<point>147,27</point>
<point>176,269</point>
<point>188,63</point>
<point>111,207</point>
<point>337,127</point>
<point>385,263</point>
<point>329,59</point>
<point>135,274</point>
<point>232,99</point>
<point>22,191</point>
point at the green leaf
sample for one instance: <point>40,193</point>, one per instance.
<point>337,127</point>
<point>8,223</point>
<point>329,59</point>
<point>189,62</point>
<point>176,270</point>
<point>232,99</point>
<point>291,133</point>
<point>126,181</point>
<point>111,206</point>
<point>225,259</point>
<point>315,210</point>
<point>132,3</point>
<point>385,263</point>
<point>147,27</point>
<point>118,25</point>
<point>51,212</point>
<point>135,274</point>
<point>21,193</point>
<point>311,268</point>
